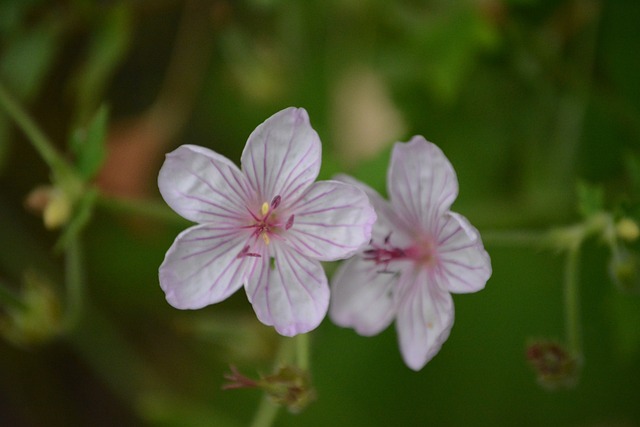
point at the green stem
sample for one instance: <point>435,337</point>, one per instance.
<point>40,142</point>
<point>74,282</point>
<point>302,351</point>
<point>266,413</point>
<point>267,410</point>
<point>148,209</point>
<point>9,298</point>
<point>572,302</point>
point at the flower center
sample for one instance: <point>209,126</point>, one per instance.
<point>265,225</point>
<point>422,252</point>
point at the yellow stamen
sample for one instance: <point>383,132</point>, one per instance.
<point>265,238</point>
<point>265,208</point>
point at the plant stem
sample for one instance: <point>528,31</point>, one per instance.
<point>38,139</point>
<point>302,351</point>
<point>74,282</point>
<point>267,410</point>
<point>266,413</point>
<point>572,302</point>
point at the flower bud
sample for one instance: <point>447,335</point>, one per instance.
<point>627,229</point>
<point>52,203</point>
<point>554,365</point>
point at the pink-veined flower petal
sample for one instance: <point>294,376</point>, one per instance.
<point>332,220</point>
<point>282,156</point>
<point>289,291</point>
<point>202,266</point>
<point>421,182</point>
<point>203,186</point>
<point>464,265</point>
<point>425,318</point>
<point>362,297</point>
<point>387,221</point>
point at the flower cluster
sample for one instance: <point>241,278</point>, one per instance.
<point>267,226</point>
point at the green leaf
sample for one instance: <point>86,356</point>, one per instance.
<point>590,199</point>
<point>88,145</point>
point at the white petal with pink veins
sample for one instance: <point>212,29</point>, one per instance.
<point>202,266</point>
<point>203,186</point>
<point>464,266</point>
<point>363,297</point>
<point>331,221</point>
<point>421,182</point>
<point>289,292</point>
<point>282,156</point>
<point>425,318</point>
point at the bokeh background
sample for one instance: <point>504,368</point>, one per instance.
<point>526,98</point>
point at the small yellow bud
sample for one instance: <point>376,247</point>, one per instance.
<point>264,209</point>
<point>627,229</point>
<point>50,202</point>
<point>57,211</point>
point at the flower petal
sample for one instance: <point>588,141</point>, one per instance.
<point>332,220</point>
<point>387,222</point>
<point>362,297</point>
<point>202,266</point>
<point>425,318</point>
<point>282,156</point>
<point>289,292</point>
<point>422,184</point>
<point>203,186</point>
<point>464,265</point>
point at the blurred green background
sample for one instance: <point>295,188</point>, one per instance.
<point>525,97</point>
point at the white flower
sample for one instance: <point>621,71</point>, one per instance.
<point>420,252</point>
<point>266,227</point>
